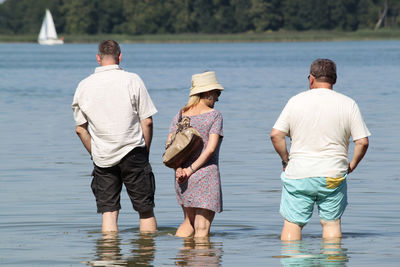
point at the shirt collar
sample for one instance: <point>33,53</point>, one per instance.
<point>106,68</point>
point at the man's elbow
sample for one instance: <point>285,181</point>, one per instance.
<point>364,142</point>
<point>80,129</point>
<point>148,122</point>
<point>276,135</point>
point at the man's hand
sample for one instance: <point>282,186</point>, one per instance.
<point>360,148</point>
<point>279,143</point>
<point>147,129</point>
<point>84,135</point>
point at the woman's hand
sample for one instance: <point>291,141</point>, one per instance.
<point>188,171</point>
<point>181,176</point>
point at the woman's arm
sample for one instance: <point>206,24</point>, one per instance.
<point>212,144</point>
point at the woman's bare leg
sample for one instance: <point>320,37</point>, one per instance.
<point>186,228</point>
<point>202,222</point>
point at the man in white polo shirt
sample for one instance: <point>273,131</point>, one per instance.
<point>113,115</point>
<point>319,123</point>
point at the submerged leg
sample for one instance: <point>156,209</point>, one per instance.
<point>290,231</point>
<point>202,222</point>
<point>331,229</point>
<point>110,221</point>
<point>148,223</point>
<point>186,228</point>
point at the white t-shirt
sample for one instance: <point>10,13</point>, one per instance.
<point>113,102</point>
<point>320,123</point>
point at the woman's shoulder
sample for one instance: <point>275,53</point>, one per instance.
<point>211,113</point>
<point>216,113</point>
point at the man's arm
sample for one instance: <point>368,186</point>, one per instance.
<point>279,143</point>
<point>360,148</point>
<point>84,135</point>
<point>147,129</point>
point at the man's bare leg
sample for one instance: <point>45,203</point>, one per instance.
<point>331,229</point>
<point>290,231</point>
<point>110,221</point>
<point>148,223</point>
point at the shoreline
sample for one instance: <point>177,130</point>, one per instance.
<point>280,36</point>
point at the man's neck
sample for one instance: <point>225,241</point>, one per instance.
<point>324,85</point>
<point>108,63</point>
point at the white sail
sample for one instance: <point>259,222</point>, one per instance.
<point>48,34</point>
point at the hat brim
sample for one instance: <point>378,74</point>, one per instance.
<point>202,89</point>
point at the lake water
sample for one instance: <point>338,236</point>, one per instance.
<point>48,213</point>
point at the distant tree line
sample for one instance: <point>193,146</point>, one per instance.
<point>197,16</point>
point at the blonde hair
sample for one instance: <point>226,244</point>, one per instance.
<point>193,101</point>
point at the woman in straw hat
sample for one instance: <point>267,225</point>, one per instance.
<point>198,185</point>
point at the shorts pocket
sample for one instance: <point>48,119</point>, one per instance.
<point>94,184</point>
<point>149,173</point>
<point>332,183</point>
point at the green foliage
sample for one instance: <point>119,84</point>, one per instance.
<point>25,16</point>
<point>138,17</point>
<point>266,15</point>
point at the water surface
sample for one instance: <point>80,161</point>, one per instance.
<point>47,211</point>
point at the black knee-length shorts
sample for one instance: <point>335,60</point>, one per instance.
<point>134,171</point>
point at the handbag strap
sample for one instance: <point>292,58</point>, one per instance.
<point>182,123</point>
<point>180,116</point>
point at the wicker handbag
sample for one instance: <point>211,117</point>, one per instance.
<point>185,142</point>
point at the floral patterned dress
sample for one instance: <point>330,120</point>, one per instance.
<point>203,188</point>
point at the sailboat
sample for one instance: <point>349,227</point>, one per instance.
<point>48,34</point>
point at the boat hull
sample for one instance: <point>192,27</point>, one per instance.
<point>51,42</point>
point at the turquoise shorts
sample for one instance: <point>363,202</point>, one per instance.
<point>299,196</point>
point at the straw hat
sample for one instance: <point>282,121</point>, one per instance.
<point>204,82</point>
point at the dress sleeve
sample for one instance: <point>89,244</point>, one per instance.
<point>172,127</point>
<point>217,125</point>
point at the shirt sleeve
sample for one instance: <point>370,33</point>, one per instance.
<point>217,125</point>
<point>145,106</point>
<point>358,128</point>
<point>282,123</point>
<point>79,116</point>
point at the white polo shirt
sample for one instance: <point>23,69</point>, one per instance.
<point>113,102</point>
<point>320,123</point>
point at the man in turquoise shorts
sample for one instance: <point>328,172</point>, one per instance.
<point>319,123</point>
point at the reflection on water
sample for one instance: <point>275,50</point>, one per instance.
<point>199,252</point>
<point>143,251</point>
<point>299,253</point>
<point>108,251</point>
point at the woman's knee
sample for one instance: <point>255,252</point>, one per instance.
<point>201,224</point>
<point>203,220</point>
